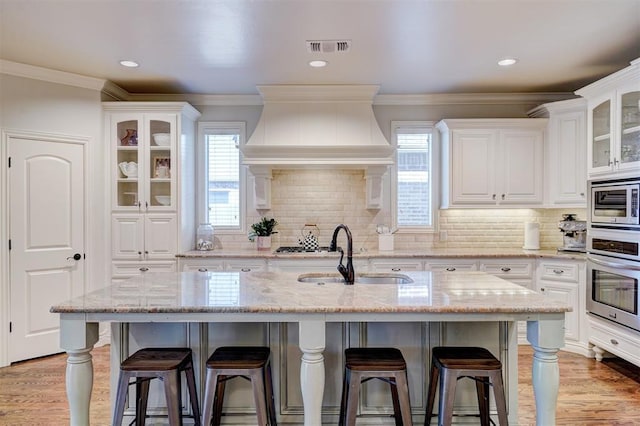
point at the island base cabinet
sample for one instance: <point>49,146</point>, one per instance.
<point>414,339</point>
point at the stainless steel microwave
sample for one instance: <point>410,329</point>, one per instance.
<point>614,203</point>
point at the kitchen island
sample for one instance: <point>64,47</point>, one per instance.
<point>278,297</point>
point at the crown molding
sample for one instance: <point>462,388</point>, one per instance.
<point>199,99</point>
<point>472,98</point>
<point>53,76</point>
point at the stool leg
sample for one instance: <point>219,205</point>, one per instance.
<point>352,400</point>
<point>219,398</point>
<point>121,397</point>
<point>498,393</point>
<point>271,404</point>
<point>482,389</point>
<point>447,396</point>
<point>402,392</point>
<point>431,395</point>
<point>397,414</point>
<point>209,394</point>
<point>142,397</point>
<point>193,396</point>
<point>171,381</point>
<point>259,397</point>
<point>345,393</point>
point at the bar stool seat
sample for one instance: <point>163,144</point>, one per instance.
<point>448,365</point>
<point>364,364</point>
<point>249,362</point>
<point>165,364</point>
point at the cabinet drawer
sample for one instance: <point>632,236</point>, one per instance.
<point>557,271</point>
<point>201,265</point>
<point>130,269</point>
<point>615,339</point>
<point>451,265</point>
<point>395,265</point>
<point>508,268</point>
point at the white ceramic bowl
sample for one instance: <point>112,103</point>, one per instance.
<point>163,200</point>
<point>162,139</point>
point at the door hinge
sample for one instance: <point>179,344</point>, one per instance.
<point>9,161</point>
<point>10,326</point>
<point>9,245</point>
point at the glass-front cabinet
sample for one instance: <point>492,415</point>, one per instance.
<point>614,123</point>
<point>144,154</point>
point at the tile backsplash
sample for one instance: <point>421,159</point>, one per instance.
<point>329,197</point>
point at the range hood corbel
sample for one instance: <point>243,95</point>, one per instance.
<point>322,126</point>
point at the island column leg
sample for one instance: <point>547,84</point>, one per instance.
<point>77,338</point>
<point>546,338</point>
<point>312,343</point>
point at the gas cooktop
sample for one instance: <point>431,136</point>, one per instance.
<point>300,249</point>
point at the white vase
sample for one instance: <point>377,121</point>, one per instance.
<point>264,243</point>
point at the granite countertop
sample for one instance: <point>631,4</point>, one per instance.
<point>280,292</point>
<point>424,253</point>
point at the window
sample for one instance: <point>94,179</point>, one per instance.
<point>413,176</point>
<point>221,179</point>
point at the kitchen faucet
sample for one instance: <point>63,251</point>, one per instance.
<point>346,271</point>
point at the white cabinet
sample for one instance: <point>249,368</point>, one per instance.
<point>450,264</point>
<point>618,340</point>
<point>565,152</point>
<point>613,123</point>
<point>151,164</point>
<point>123,270</point>
<point>143,236</point>
<point>222,264</point>
<point>492,163</point>
<point>395,265</point>
<point>565,280</point>
<point>518,271</point>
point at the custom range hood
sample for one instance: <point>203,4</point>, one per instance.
<point>305,126</point>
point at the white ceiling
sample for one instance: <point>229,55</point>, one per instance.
<point>406,47</point>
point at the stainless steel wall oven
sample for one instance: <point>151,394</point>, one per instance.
<point>613,252</point>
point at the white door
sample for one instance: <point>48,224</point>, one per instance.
<point>46,229</point>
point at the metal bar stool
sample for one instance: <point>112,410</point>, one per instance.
<point>450,364</point>
<point>364,364</point>
<point>249,362</point>
<point>157,363</point>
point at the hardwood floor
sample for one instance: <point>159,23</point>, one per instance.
<point>591,393</point>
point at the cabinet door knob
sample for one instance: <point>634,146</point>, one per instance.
<point>139,253</point>
<point>614,342</point>
<point>558,271</point>
<point>503,196</point>
<point>493,196</point>
<point>505,269</point>
<point>202,269</point>
<point>144,269</point>
<point>396,269</point>
<point>542,289</point>
<point>245,270</point>
<point>451,269</point>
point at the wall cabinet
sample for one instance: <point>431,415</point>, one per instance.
<point>565,156</point>
<point>151,162</point>
<point>613,123</point>
<point>492,163</point>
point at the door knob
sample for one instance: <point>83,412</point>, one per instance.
<point>76,256</point>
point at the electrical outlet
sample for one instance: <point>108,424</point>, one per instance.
<point>443,235</point>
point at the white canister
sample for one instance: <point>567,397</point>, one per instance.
<point>531,236</point>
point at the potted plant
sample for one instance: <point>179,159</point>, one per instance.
<point>261,232</point>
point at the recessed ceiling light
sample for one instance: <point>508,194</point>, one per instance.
<point>505,62</point>
<point>318,63</point>
<point>129,64</point>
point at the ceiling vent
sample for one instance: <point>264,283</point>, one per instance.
<point>328,46</point>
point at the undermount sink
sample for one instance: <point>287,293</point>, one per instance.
<point>367,278</point>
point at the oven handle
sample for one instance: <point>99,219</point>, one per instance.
<point>615,265</point>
